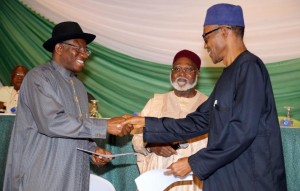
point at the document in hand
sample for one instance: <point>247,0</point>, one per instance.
<point>106,156</point>
<point>145,181</point>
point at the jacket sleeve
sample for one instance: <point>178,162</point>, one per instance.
<point>234,127</point>
<point>50,115</point>
<point>170,130</point>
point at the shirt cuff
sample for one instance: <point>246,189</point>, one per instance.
<point>99,130</point>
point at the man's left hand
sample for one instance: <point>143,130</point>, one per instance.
<point>101,161</point>
<point>179,168</point>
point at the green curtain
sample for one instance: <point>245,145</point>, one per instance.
<point>121,83</point>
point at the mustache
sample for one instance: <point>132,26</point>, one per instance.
<point>187,85</point>
<point>180,78</point>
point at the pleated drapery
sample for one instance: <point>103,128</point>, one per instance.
<point>121,83</point>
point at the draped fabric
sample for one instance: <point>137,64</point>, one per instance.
<point>136,41</point>
<point>155,30</point>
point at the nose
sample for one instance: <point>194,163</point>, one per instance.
<point>181,73</point>
<point>20,77</point>
<point>84,55</point>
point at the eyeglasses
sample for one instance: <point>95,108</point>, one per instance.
<point>79,49</point>
<point>209,32</point>
<point>19,74</point>
<point>185,70</point>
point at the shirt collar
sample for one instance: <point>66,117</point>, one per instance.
<point>64,72</point>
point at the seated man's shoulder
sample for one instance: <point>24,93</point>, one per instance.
<point>158,96</point>
<point>6,88</point>
<point>202,95</point>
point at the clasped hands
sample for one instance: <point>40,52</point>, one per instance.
<point>125,124</point>
<point>121,126</point>
<point>118,126</point>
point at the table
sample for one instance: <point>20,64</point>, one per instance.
<point>122,171</point>
<point>291,151</point>
<point>6,124</point>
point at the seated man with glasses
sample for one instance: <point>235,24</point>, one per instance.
<point>9,94</point>
<point>177,103</point>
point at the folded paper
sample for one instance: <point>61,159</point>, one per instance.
<point>156,180</point>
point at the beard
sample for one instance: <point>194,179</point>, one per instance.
<point>183,84</point>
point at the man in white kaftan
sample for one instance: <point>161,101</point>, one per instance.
<point>176,104</point>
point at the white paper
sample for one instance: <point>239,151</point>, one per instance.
<point>155,180</point>
<point>106,156</point>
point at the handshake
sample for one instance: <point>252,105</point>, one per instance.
<point>118,126</point>
<point>121,126</point>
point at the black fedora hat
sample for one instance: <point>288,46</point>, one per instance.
<point>66,31</point>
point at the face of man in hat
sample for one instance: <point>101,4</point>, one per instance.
<point>71,54</point>
<point>215,41</point>
<point>68,45</point>
<point>184,75</point>
<point>218,28</point>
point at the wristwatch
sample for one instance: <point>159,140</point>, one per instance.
<point>180,146</point>
<point>148,149</point>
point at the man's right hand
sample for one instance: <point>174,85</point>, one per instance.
<point>136,122</point>
<point>114,126</point>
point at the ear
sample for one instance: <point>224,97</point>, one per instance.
<point>225,31</point>
<point>58,49</point>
